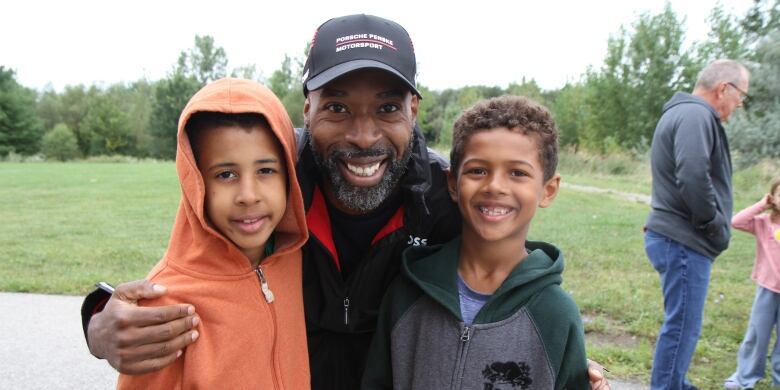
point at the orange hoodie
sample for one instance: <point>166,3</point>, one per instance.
<point>245,342</point>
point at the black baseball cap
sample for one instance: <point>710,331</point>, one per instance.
<point>342,45</point>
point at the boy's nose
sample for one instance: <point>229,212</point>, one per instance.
<point>249,192</point>
<point>495,184</point>
<point>364,133</point>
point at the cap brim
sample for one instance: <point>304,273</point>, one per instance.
<point>339,70</point>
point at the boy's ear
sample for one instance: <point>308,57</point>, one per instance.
<point>550,190</point>
<point>452,185</point>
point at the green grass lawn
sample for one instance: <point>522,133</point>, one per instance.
<point>67,225</point>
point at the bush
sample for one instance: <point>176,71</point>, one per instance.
<point>60,144</point>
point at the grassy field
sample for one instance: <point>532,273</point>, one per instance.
<point>66,226</point>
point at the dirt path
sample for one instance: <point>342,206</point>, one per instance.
<point>629,196</point>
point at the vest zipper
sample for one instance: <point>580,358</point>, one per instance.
<point>346,311</point>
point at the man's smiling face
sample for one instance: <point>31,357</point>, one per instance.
<point>361,134</point>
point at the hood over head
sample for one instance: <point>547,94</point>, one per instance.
<point>195,245</point>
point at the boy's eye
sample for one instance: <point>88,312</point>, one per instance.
<point>224,175</point>
<point>476,171</point>
<point>518,173</point>
<point>337,108</point>
<point>389,107</point>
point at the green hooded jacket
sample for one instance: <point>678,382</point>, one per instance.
<point>527,336</point>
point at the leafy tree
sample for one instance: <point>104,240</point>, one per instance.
<point>641,71</point>
<point>206,61</point>
<point>171,95</point>
<point>755,133</point>
<point>20,128</point>
<point>569,112</point>
<point>108,125</point>
<point>286,83</point>
<point>528,89</point>
<point>761,19</point>
<point>60,143</point>
<point>726,38</point>
<point>429,114</point>
<point>248,72</point>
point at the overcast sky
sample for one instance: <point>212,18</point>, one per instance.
<point>478,42</point>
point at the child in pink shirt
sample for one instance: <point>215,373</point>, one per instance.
<point>751,357</point>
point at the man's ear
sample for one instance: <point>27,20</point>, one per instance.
<point>306,107</point>
<point>415,105</point>
<point>550,189</point>
<point>452,185</point>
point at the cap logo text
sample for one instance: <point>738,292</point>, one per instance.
<point>372,41</point>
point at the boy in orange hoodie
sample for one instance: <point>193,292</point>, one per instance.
<point>234,251</point>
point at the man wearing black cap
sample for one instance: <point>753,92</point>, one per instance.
<point>371,189</point>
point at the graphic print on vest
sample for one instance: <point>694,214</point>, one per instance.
<point>498,374</point>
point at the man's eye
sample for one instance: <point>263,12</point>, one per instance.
<point>389,108</point>
<point>337,108</point>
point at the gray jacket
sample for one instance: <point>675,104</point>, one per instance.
<point>691,166</point>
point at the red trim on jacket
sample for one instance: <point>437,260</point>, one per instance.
<point>319,224</point>
<point>396,222</point>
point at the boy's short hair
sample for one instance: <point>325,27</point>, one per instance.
<point>207,120</point>
<point>516,113</point>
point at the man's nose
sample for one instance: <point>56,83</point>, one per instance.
<point>364,133</point>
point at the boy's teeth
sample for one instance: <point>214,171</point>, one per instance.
<point>496,211</point>
<point>364,171</point>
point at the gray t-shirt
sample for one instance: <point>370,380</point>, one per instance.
<point>470,301</point>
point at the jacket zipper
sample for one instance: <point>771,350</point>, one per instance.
<point>267,293</point>
<point>346,311</point>
<point>269,298</point>
<point>465,337</point>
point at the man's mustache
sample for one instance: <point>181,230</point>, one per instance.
<point>351,152</point>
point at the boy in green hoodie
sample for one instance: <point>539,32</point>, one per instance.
<point>486,310</point>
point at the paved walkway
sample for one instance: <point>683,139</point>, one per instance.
<point>42,346</point>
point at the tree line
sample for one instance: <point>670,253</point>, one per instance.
<point>611,108</point>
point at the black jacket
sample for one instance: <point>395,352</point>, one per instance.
<point>341,314</point>
<point>691,167</point>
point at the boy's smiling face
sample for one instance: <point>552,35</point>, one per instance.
<point>246,184</point>
<point>500,184</point>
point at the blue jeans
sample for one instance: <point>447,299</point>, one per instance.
<point>751,358</point>
<point>685,276</point>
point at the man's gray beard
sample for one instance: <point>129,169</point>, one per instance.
<point>362,199</point>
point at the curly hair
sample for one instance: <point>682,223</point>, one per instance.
<point>516,113</point>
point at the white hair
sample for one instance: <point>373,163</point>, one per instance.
<point>719,71</point>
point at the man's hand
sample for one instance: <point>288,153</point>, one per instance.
<point>138,340</point>
<point>596,375</point>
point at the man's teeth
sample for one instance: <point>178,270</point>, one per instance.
<point>364,171</point>
<point>495,211</point>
